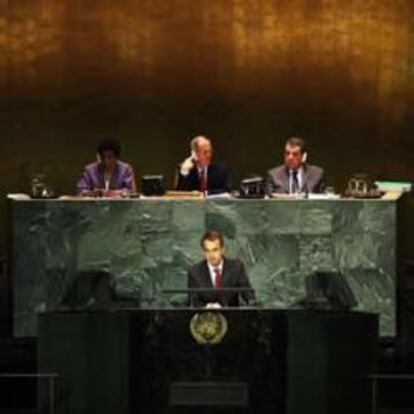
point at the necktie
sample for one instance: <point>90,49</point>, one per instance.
<point>217,279</point>
<point>202,180</point>
<point>295,182</point>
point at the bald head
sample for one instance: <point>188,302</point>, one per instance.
<point>203,150</point>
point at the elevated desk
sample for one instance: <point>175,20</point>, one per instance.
<point>148,244</point>
<point>182,361</point>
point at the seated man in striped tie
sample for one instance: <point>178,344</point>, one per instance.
<point>200,172</point>
<point>295,175</point>
<point>217,272</point>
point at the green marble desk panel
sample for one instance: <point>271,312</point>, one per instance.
<point>147,245</point>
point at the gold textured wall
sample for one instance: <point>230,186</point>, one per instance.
<point>247,72</point>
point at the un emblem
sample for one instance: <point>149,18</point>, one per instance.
<point>208,328</point>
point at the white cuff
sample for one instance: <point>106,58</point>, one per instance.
<point>184,171</point>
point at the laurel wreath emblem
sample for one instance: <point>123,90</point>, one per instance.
<point>208,328</point>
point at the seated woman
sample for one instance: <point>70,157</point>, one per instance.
<point>108,176</point>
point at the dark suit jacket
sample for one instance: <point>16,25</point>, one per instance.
<point>277,180</point>
<point>218,179</point>
<point>233,275</point>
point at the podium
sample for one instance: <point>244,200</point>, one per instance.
<point>209,361</point>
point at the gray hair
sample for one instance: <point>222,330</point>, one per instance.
<point>195,140</point>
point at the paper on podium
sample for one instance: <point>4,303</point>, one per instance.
<point>323,196</point>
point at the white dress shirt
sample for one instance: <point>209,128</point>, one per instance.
<point>213,272</point>
<point>299,175</point>
<point>202,171</point>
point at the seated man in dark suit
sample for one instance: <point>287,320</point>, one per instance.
<point>200,172</point>
<point>216,271</point>
<point>295,175</point>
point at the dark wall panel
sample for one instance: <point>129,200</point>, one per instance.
<point>248,73</point>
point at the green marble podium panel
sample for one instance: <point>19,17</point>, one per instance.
<point>147,245</point>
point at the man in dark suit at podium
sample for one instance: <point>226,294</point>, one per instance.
<point>216,272</point>
<point>199,172</point>
<point>295,175</point>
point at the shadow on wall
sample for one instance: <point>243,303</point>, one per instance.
<point>94,291</point>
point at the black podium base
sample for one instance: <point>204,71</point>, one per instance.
<point>254,361</point>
